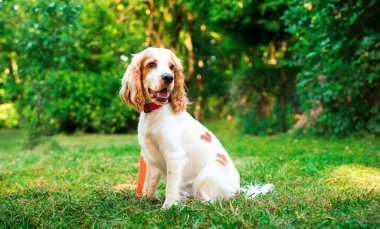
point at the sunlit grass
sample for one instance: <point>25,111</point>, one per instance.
<point>85,181</point>
<point>356,178</point>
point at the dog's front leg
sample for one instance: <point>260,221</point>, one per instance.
<point>174,178</point>
<point>151,181</point>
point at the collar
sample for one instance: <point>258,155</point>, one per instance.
<point>149,107</point>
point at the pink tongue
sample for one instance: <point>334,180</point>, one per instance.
<point>161,94</point>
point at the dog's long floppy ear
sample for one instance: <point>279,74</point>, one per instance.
<point>131,88</point>
<point>179,100</point>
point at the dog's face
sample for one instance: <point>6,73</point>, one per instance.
<point>158,70</point>
<point>154,75</point>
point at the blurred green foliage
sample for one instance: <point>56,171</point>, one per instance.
<point>337,45</point>
<point>64,70</point>
<point>244,50</point>
<point>85,102</point>
<point>49,42</point>
<point>61,61</point>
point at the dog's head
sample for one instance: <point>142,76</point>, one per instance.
<point>154,75</point>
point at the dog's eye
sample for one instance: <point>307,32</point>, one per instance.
<point>171,67</point>
<point>151,65</point>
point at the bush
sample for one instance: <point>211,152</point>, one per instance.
<point>252,122</point>
<point>80,102</point>
<point>337,45</point>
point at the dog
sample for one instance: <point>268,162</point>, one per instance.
<point>173,143</point>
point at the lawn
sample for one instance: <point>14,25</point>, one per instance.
<point>70,181</point>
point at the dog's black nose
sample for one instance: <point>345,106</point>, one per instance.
<point>168,78</point>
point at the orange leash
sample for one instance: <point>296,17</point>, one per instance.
<point>142,174</point>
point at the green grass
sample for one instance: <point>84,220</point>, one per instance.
<point>69,182</point>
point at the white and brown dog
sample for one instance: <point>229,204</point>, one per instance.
<point>173,143</point>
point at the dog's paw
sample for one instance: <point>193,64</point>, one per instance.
<point>168,203</point>
<point>150,196</point>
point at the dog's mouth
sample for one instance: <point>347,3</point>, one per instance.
<point>161,96</point>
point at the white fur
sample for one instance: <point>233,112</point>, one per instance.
<point>172,146</point>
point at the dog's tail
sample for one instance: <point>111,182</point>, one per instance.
<point>251,190</point>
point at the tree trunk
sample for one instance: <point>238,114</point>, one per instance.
<point>148,41</point>
<point>189,48</point>
<point>283,100</point>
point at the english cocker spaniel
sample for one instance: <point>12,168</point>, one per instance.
<point>173,143</point>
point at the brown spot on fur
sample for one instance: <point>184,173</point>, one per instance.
<point>206,137</point>
<point>179,100</point>
<point>144,69</point>
<point>131,91</point>
<point>221,159</point>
